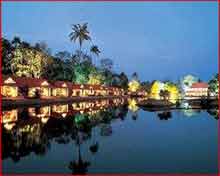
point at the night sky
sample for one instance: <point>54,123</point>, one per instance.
<point>157,40</point>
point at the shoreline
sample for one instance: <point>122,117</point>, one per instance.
<point>15,103</point>
<point>147,104</point>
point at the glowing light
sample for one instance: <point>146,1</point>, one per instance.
<point>9,91</point>
<point>9,81</point>
<point>157,87</point>
<point>132,105</point>
<point>133,86</point>
<point>173,92</point>
<point>9,126</point>
<point>62,92</point>
<point>44,119</point>
<point>64,115</point>
<point>9,116</point>
<point>155,90</point>
<point>45,83</point>
<point>32,92</point>
<point>60,108</point>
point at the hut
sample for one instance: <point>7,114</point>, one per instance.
<point>61,89</point>
<point>9,88</point>
<point>25,87</point>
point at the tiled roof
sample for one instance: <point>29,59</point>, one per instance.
<point>200,85</point>
<point>39,82</point>
<point>62,84</point>
<point>24,81</point>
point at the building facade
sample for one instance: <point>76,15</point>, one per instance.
<point>22,87</point>
<point>199,89</point>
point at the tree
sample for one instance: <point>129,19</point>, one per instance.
<point>133,85</point>
<point>16,42</point>
<point>43,47</point>
<point>106,64</point>
<point>123,80</point>
<point>95,78</point>
<point>134,76</point>
<point>63,55</point>
<point>214,85</point>
<point>187,81</point>
<point>28,62</point>
<point>95,50</point>
<point>173,92</point>
<point>7,50</point>
<point>164,94</point>
<point>80,32</point>
<point>165,115</point>
<point>155,90</point>
<point>146,86</point>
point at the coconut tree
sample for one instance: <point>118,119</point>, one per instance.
<point>95,50</point>
<point>79,166</point>
<point>80,32</point>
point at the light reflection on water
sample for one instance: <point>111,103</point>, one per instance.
<point>108,136</point>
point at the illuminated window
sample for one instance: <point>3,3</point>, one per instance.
<point>61,92</point>
<point>60,108</point>
<point>32,92</point>
<point>45,91</point>
<point>9,91</point>
<point>9,116</point>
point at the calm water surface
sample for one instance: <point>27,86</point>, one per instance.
<point>108,137</point>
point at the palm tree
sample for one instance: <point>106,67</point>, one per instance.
<point>79,167</point>
<point>80,32</point>
<point>95,50</point>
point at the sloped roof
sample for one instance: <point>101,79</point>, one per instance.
<point>62,84</point>
<point>200,85</point>
<point>24,81</point>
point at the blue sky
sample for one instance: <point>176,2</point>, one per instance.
<point>157,40</point>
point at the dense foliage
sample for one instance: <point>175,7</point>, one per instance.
<point>214,85</point>
<point>20,58</point>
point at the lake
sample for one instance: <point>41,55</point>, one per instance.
<point>109,136</point>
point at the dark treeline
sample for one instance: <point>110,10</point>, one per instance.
<point>20,58</point>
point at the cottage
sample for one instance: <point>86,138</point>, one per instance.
<point>25,87</point>
<point>15,87</point>
<point>61,89</point>
<point>88,90</point>
<point>36,88</point>
<point>9,87</point>
<point>82,90</point>
<point>199,89</point>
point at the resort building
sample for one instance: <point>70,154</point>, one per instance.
<point>9,87</point>
<point>199,89</point>
<point>36,88</point>
<point>61,89</point>
<point>22,87</point>
<point>85,90</point>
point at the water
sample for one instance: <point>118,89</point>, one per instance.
<point>110,139</point>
